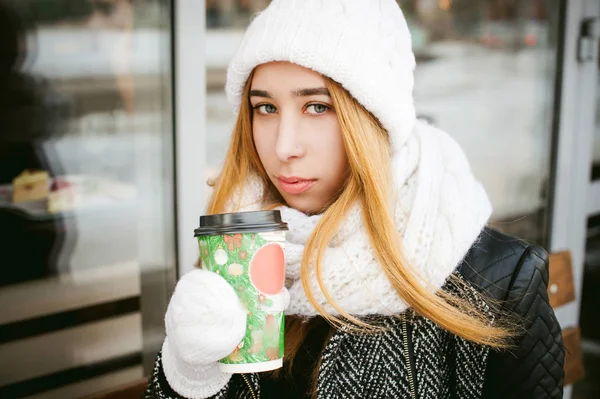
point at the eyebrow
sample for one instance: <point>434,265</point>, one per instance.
<point>296,93</point>
<point>311,92</point>
<point>260,93</point>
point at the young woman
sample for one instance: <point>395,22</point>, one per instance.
<point>398,289</point>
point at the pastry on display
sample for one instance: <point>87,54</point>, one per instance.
<point>41,196</point>
<point>30,185</point>
<point>62,197</point>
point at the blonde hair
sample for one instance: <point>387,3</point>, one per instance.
<point>368,150</point>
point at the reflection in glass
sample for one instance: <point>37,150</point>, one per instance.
<point>485,74</point>
<point>85,192</point>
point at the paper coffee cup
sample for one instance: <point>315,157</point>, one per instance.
<point>247,250</point>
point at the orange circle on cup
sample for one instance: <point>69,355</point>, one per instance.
<point>267,269</point>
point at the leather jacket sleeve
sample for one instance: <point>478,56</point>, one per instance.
<point>533,367</point>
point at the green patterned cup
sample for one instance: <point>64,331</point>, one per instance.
<point>247,250</point>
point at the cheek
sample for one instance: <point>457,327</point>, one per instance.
<point>330,146</point>
<point>339,166</point>
<point>264,140</point>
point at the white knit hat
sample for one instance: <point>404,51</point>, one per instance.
<point>364,45</point>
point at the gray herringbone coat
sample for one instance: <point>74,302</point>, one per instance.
<point>415,358</point>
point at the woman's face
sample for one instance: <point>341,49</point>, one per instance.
<point>297,135</point>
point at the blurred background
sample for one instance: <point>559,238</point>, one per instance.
<point>113,117</point>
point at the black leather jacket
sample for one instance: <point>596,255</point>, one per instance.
<point>441,365</point>
<point>516,273</point>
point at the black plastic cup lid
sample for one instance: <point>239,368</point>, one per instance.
<point>240,222</point>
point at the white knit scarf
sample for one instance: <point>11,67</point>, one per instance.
<point>440,211</point>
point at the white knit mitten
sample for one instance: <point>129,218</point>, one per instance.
<point>204,323</point>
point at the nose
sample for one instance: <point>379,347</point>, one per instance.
<point>288,144</point>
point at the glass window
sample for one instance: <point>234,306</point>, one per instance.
<point>485,74</point>
<point>86,192</point>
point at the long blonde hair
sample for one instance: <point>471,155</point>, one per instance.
<point>368,149</point>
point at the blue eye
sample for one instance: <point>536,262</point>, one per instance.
<point>266,109</point>
<point>317,109</point>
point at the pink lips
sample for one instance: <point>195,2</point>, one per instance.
<point>294,185</point>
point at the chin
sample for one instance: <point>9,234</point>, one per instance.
<point>304,205</point>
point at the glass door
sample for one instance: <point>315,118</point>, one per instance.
<point>485,73</point>
<point>86,192</point>
<point>590,296</point>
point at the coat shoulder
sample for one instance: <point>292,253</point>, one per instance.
<point>505,267</point>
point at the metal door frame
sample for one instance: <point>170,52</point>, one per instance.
<point>190,125</point>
